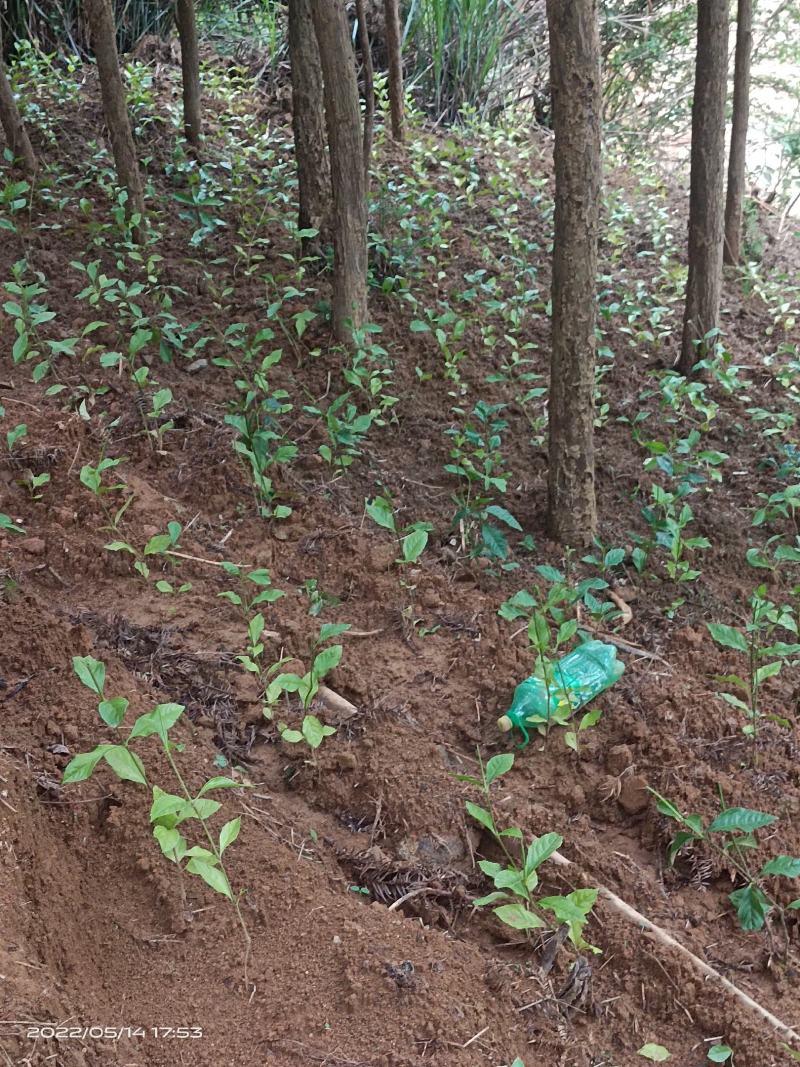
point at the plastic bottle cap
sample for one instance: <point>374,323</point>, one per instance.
<point>505,724</point>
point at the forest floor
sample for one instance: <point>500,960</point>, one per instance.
<point>95,929</point>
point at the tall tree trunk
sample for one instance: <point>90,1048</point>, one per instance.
<point>13,127</point>
<point>308,121</point>
<point>706,197</point>
<point>394,50</point>
<point>190,69</point>
<point>577,101</point>
<point>115,106</point>
<point>343,121</point>
<point>369,88</point>
<point>738,149</point>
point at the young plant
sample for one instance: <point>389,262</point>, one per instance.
<point>765,657</point>
<point>92,478</point>
<point>732,834</point>
<point>159,545</point>
<point>168,810</point>
<point>413,538</point>
<point>668,524</point>
<point>516,879</point>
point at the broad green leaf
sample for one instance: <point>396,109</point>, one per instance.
<point>614,557</point>
<point>164,804</point>
<point>158,721</point>
<point>7,523</point>
<point>550,574</point>
<point>497,766</point>
<point>786,866</point>
<point>314,731</point>
<point>204,854</point>
<point>504,516</point>
<point>719,1053</point>
<point>512,831</point>
<point>125,764</point>
<point>656,1053</point>
<point>198,809</point>
<point>380,511</point>
<point>752,906</point>
<point>80,767</point>
<point>518,917</point>
<point>728,636</point>
<point>481,815</point>
<point>495,544</point>
<point>229,833</point>
<point>331,629</point>
<point>540,849</point>
<point>413,545</point>
<point>490,898</point>
<point>326,660</point>
<point>91,671</point>
<point>219,783</point>
<point>768,670</point>
<point>168,839</point>
<point>745,819</point>
<point>213,876</point>
<point>157,545</point>
<point>113,711</point>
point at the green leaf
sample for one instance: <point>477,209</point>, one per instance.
<point>518,917</point>
<point>720,1053</point>
<point>768,670</point>
<point>229,833</point>
<point>786,866</point>
<point>314,731</point>
<point>728,636</point>
<point>113,711</point>
<point>656,1053</point>
<point>326,660</point>
<point>490,898</point>
<point>481,815</point>
<point>413,545</point>
<point>91,671</point>
<point>165,804</point>
<point>331,629</point>
<point>219,783</point>
<point>168,839</point>
<point>752,906</point>
<point>125,764</point>
<point>157,545</point>
<point>212,876</point>
<point>198,809</point>
<point>540,849</point>
<point>495,544</point>
<point>497,766</point>
<point>380,511</point>
<point>504,516</point>
<point>550,574</point>
<point>614,557</point>
<point>158,721</point>
<point>745,819</point>
<point>6,523</point>
<point>80,767</point>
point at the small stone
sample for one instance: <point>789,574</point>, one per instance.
<point>197,365</point>
<point>34,546</point>
<point>634,797</point>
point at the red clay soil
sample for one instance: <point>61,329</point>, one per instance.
<point>95,928</point>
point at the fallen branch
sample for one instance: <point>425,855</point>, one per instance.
<point>663,938</point>
<point>337,704</point>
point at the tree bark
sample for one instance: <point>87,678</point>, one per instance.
<point>576,101</point>
<point>190,70</point>
<point>308,122</point>
<point>738,150</point>
<point>115,105</point>
<point>394,49</point>
<point>706,197</point>
<point>369,89</point>
<point>13,127</point>
<point>343,121</point>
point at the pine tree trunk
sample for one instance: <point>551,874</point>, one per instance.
<point>343,121</point>
<point>576,101</point>
<point>369,88</point>
<point>706,197</point>
<point>738,150</point>
<point>308,122</point>
<point>13,127</point>
<point>394,49</point>
<point>115,105</point>
<point>190,69</point>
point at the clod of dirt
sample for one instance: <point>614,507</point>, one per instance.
<point>634,797</point>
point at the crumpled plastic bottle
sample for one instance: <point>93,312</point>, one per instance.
<point>578,677</point>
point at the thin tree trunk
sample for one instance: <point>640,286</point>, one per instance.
<point>343,121</point>
<point>13,127</point>
<point>706,198</point>
<point>394,50</point>
<point>115,106</point>
<point>738,150</point>
<point>190,69</point>
<point>308,122</point>
<point>577,102</point>
<point>369,88</point>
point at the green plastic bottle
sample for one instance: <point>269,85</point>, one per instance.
<point>580,676</point>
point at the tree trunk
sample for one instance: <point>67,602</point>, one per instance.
<point>369,89</point>
<point>308,121</point>
<point>115,106</point>
<point>190,70</point>
<point>343,121</point>
<point>576,100</point>
<point>394,50</point>
<point>741,116</point>
<point>13,127</point>
<point>706,197</point>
